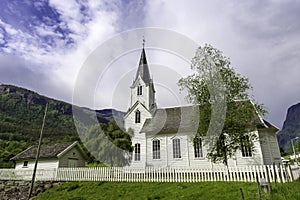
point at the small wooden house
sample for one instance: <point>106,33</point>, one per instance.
<point>52,156</point>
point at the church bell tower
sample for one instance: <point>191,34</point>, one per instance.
<point>142,98</point>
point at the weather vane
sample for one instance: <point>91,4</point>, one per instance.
<point>143,41</point>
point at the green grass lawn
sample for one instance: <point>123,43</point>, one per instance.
<point>190,191</point>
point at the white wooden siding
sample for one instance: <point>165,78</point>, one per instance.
<point>166,151</point>
<point>187,152</point>
<point>130,119</point>
<point>255,159</point>
<point>270,148</point>
<point>139,138</point>
<point>42,164</point>
<point>196,162</point>
<point>75,154</point>
<point>147,97</point>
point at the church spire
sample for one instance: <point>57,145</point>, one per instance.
<point>143,69</point>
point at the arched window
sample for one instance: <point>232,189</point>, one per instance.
<point>176,148</point>
<point>137,116</point>
<point>137,152</point>
<point>156,149</point>
<point>139,90</point>
<point>198,147</point>
<point>245,146</point>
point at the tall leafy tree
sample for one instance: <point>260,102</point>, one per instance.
<point>223,96</point>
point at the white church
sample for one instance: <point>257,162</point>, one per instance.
<point>163,137</point>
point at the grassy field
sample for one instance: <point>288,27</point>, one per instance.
<point>147,191</point>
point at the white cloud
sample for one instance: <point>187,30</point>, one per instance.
<point>2,41</point>
<point>58,61</point>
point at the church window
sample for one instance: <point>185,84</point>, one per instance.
<point>198,147</point>
<point>137,152</point>
<point>137,116</point>
<point>25,164</point>
<point>139,90</point>
<point>176,148</point>
<point>156,149</point>
<point>245,147</point>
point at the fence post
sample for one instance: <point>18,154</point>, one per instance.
<point>275,173</point>
<point>291,173</point>
<point>281,174</point>
<point>268,179</point>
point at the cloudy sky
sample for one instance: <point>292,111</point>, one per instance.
<point>44,43</point>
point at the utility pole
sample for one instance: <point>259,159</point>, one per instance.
<point>37,153</point>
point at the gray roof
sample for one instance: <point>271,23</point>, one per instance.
<point>269,125</point>
<point>46,151</point>
<point>143,69</point>
<point>171,120</point>
<point>184,119</point>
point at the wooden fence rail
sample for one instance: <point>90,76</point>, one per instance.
<point>243,174</point>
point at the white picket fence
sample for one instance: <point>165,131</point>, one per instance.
<point>148,174</point>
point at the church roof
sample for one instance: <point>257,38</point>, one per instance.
<point>170,120</point>
<point>143,69</point>
<point>187,119</point>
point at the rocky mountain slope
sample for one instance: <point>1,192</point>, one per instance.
<point>291,127</point>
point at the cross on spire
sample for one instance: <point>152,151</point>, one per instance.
<point>143,41</point>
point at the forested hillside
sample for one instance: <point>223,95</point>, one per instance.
<point>21,115</point>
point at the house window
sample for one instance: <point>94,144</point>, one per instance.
<point>198,148</point>
<point>137,152</point>
<point>176,148</point>
<point>245,146</point>
<point>156,149</point>
<point>137,116</point>
<point>25,164</point>
<point>139,90</point>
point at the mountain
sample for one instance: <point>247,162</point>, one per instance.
<point>291,127</point>
<point>21,116</point>
<point>112,114</point>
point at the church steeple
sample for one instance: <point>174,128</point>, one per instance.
<point>143,69</point>
<point>142,88</point>
<point>142,98</point>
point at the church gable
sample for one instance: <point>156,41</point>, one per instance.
<point>138,81</point>
<point>136,117</point>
